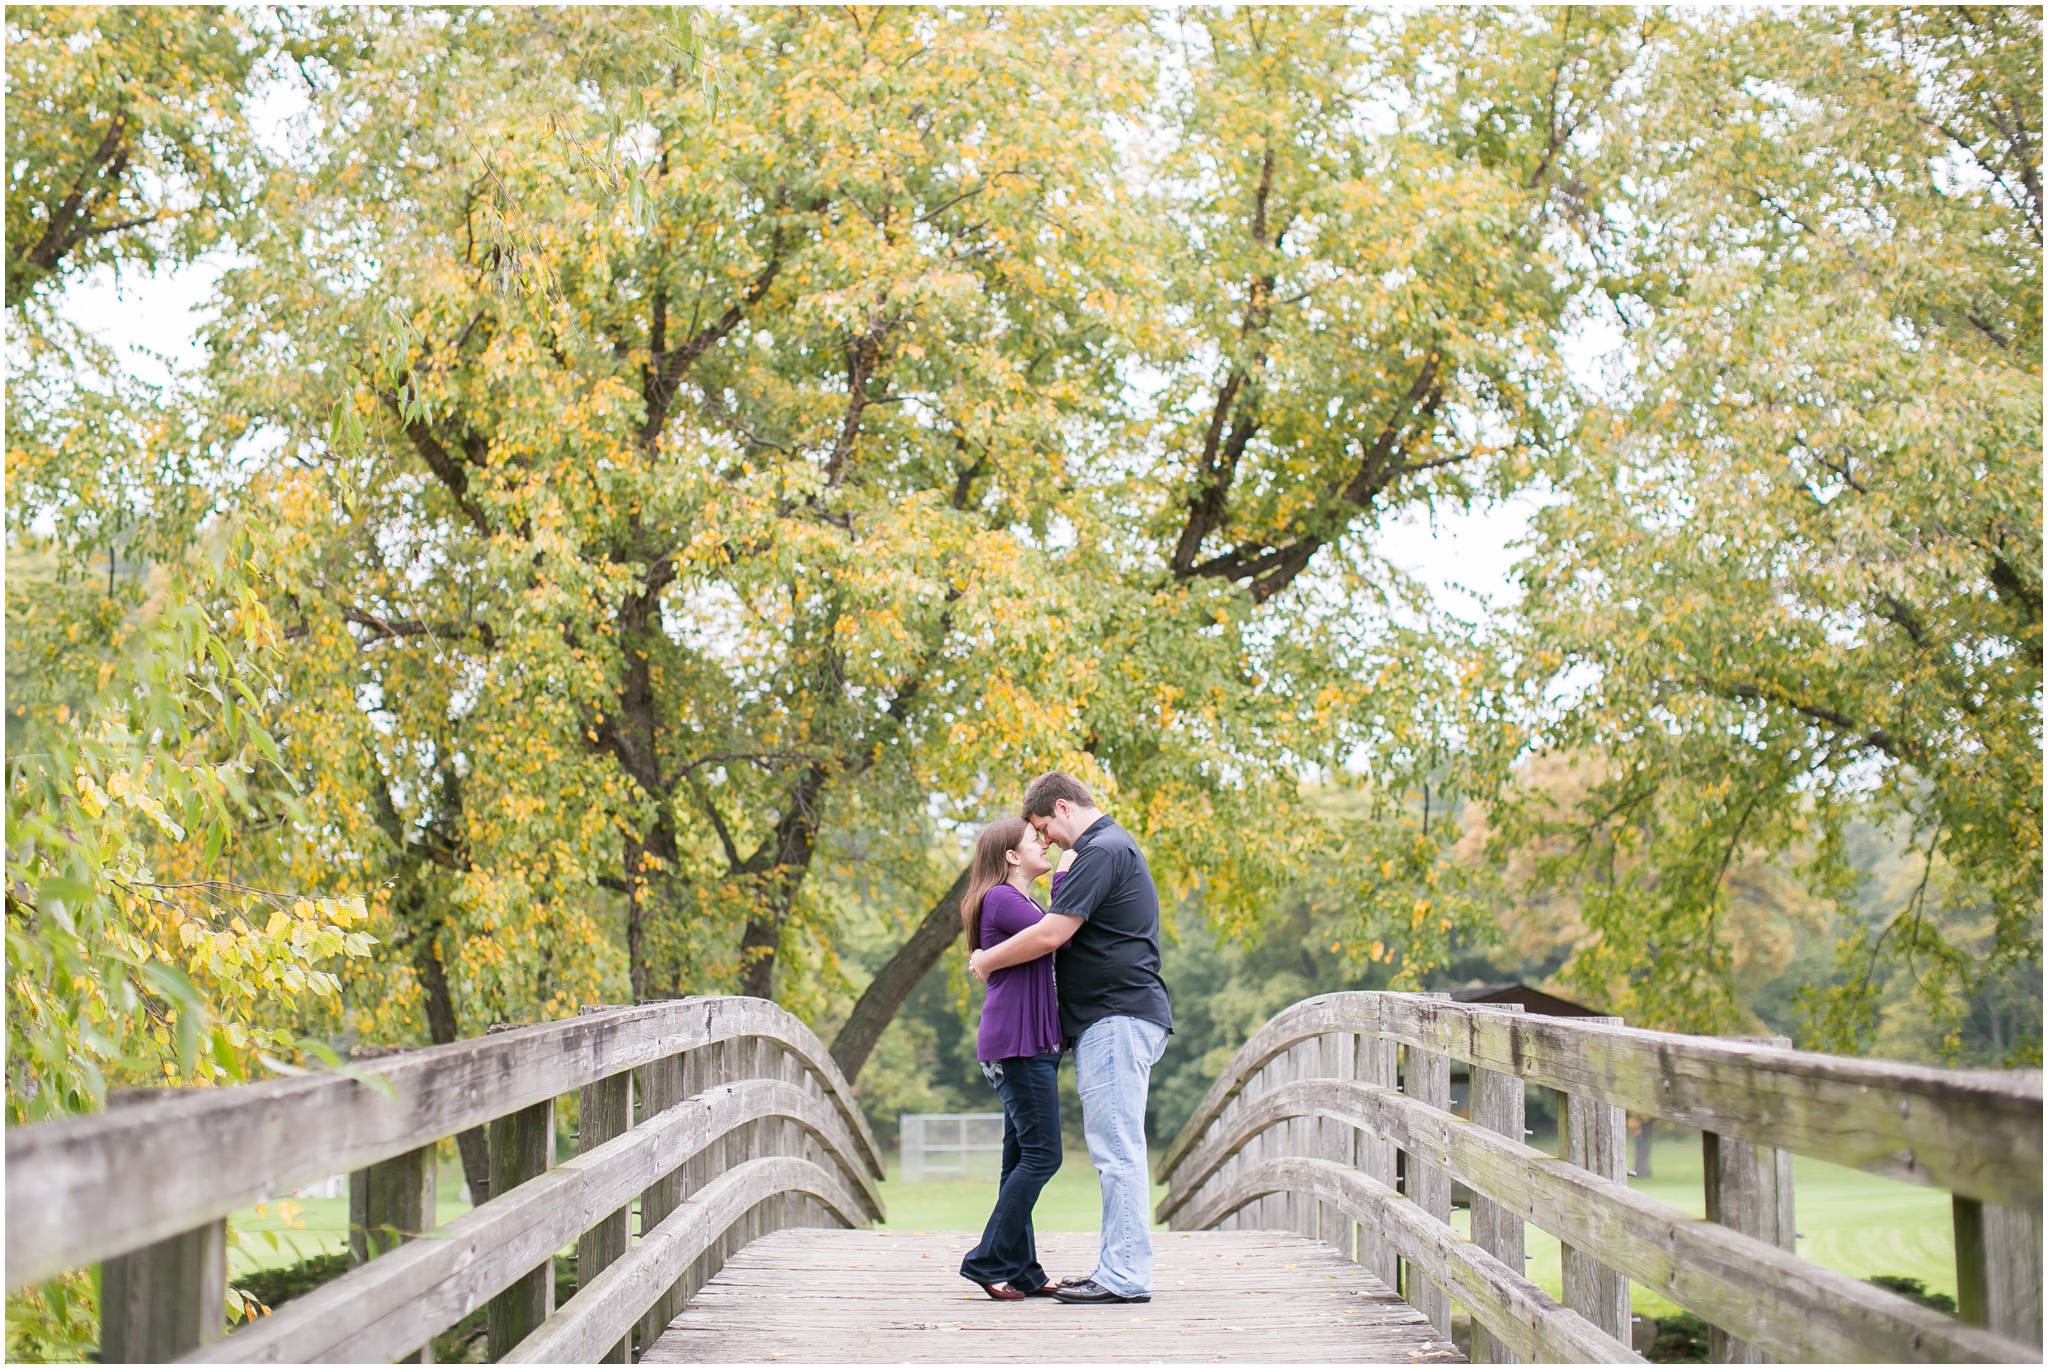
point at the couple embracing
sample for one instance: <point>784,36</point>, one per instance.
<point>1084,978</point>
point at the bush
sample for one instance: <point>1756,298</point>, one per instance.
<point>275,1287</point>
<point>1681,1339</point>
<point>1916,1290</point>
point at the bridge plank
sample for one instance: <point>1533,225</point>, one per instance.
<point>806,1297</point>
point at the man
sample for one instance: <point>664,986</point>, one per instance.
<point>1104,927</point>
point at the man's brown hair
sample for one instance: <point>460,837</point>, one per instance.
<point>1049,788</point>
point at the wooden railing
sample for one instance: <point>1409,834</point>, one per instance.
<point>1335,1121</point>
<point>716,1120</point>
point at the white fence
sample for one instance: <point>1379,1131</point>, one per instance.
<point>951,1145</point>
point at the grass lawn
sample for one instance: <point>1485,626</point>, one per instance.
<point>288,1230</point>
<point>1071,1202</point>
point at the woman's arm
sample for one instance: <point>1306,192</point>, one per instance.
<point>1042,937</point>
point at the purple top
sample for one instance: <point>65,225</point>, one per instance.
<point>1022,1014</point>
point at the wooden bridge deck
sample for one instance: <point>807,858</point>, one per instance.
<point>808,1296</point>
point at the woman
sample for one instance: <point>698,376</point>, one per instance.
<point>1019,1049</point>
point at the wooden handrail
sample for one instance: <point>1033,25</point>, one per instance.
<point>746,1125</point>
<point>1291,1135</point>
<point>1753,1290</point>
<point>399,1301</point>
<point>598,1315</point>
<point>80,1191</point>
<point>1976,1133</point>
<point>1528,1320</point>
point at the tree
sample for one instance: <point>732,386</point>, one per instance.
<point>128,142</point>
<point>1797,577</point>
<point>680,453</point>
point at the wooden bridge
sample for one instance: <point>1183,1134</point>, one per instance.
<point>719,1205</point>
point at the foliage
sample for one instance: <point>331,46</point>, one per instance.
<point>125,134</point>
<point>1681,1339</point>
<point>1796,577</point>
<point>704,461</point>
<point>1916,1290</point>
<point>127,958</point>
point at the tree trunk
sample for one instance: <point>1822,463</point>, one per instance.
<point>441,1027</point>
<point>757,958</point>
<point>1642,1165</point>
<point>893,983</point>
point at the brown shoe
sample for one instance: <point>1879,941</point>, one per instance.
<point>1002,1292</point>
<point>1044,1290</point>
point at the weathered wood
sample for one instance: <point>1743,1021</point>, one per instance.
<point>1426,1077</point>
<point>657,1087</point>
<point>81,1190</point>
<point>390,1203</point>
<point>169,1297</point>
<point>1230,1296</point>
<point>1379,1063</point>
<point>403,1299</point>
<point>522,1149</point>
<point>1593,1135</point>
<point>1337,1058</point>
<point>613,1302</point>
<point>1800,1310</point>
<point>1977,1133</point>
<point>1500,1104</point>
<point>1998,1269</point>
<point>159,1302</point>
<point>1748,1189</point>
<point>1527,1320</point>
<point>604,1110</point>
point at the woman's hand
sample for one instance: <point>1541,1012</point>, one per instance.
<point>974,966</point>
<point>1066,859</point>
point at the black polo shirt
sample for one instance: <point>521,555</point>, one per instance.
<point>1110,967</point>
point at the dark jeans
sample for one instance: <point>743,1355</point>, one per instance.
<point>1029,1088</point>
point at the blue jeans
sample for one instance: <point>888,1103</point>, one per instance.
<point>1113,1063</point>
<point>1029,1088</point>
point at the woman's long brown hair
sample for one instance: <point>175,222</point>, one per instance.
<point>997,840</point>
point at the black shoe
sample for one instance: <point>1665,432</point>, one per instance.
<point>1087,1290</point>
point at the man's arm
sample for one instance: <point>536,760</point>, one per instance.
<point>1042,937</point>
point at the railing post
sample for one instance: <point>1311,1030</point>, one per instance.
<point>158,1302</point>
<point>163,1300</point>
<point>1498,1103</point>
<point>1998,1268</point>
<point>1749,1189</point>
<point>657,1088</point>
<point>1427,1079</point>
<point>604,1110</point>
<point>1379,1062</point>
<point>389,1204</point>
<point>1595,1137</point>
<point>1298,1209</point>
<point>522,1148</point>
<point>1337,1056</point>
<point>1231,1167</point>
